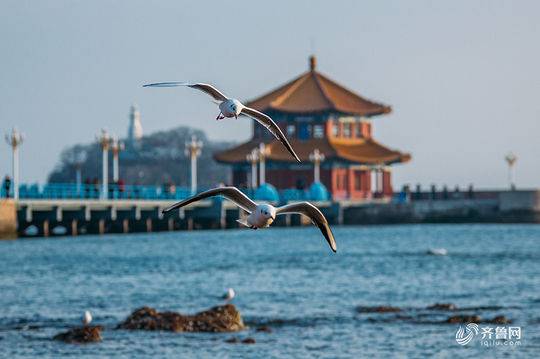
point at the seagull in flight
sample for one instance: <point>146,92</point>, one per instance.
<point>262,215</point>
<point>231,107</point>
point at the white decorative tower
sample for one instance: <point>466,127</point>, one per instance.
<point>135,130</point>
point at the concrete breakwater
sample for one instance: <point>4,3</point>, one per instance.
<point>74,217</point>
<point>8,219</point>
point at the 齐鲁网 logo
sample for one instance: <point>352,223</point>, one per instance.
<point>491,336</point>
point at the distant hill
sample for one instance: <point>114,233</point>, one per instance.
<point>159,158</point>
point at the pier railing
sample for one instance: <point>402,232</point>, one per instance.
<point>93,191</point>
<point>84,191</point>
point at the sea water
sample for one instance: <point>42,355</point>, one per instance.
<point>286,279</point>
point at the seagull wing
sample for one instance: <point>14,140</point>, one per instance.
<point>231,193</point>
<point>206,88</point>
<point>316,216</point>
<point>267,122</point>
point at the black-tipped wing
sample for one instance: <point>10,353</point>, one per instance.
<point>267,122</point>
<point>166,84</point>
<point>316,216</point>
<point>231,193</point>
<point>206,88</point>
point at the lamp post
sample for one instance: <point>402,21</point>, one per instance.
<point>263,152</point>
<point>253,157</point>
<point>15,139</point>
<point>511,159</point>
<point>193,150</point>
<point>77,159</point>
<point>116,147</point>
<point>316,157</point>
<point>104,141</point>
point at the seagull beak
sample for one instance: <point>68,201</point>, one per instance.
<point>236,116</point>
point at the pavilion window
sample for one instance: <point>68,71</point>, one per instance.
<point>304,131</point>
<point>318,131</point>
<point>358,130</point>
<point>335,129</point>
<point>291,130</point>
<point>346,130</point>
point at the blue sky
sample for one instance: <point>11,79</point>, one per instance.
<point>462,76</point>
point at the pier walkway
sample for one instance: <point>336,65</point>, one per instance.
<point>67,210</point>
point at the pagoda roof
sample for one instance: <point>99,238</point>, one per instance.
<point>362,151</point>
<point>313,92</point>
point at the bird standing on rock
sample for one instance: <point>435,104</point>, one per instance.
<point>263,215</point>
<point>229,295</point>
<point>87,318</point>
<point>231,107</point>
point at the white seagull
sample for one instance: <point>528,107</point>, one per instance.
<point>231,107</point>
<point>229,295</point>
<point>262,215</point>
<point>87,318</point>
<point>437,251</point>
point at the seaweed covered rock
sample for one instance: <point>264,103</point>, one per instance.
<point>500,319</point>
<point>378,309</point>
<point>442,306</point>
<point>463,319</point>
<point>224,318</point>
<point>247,340</point>
<point>81,335</point>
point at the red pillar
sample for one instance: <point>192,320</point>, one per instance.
<point>366,183</point>
<point>387,182</point>
<point>350,183</point>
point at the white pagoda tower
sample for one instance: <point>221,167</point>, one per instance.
<point>135,130</point>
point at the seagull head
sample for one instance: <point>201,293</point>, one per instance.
<point>268,212</point>
<point>235,107</point>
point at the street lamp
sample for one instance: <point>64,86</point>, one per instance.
<point>511,159</point>
<point>15,139</point>
<point>316,157</point>
<point>263,152</point>
<point>104,141</point>
<point>193,150</point>
<point>77,158</point>
<point>116,147</point>
<point>253,158</point>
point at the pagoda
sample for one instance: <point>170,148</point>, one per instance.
<point>316,113</point>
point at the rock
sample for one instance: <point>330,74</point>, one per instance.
<point>442,306</point>
<point>265,329</point>
<point>224,318</point>
<point>500,319</point>
<point>463,319</point>
<point>89,334</point>
<point>235,340</point>
<point>378,309</point>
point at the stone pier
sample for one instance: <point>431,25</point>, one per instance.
<point>8,218</point>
